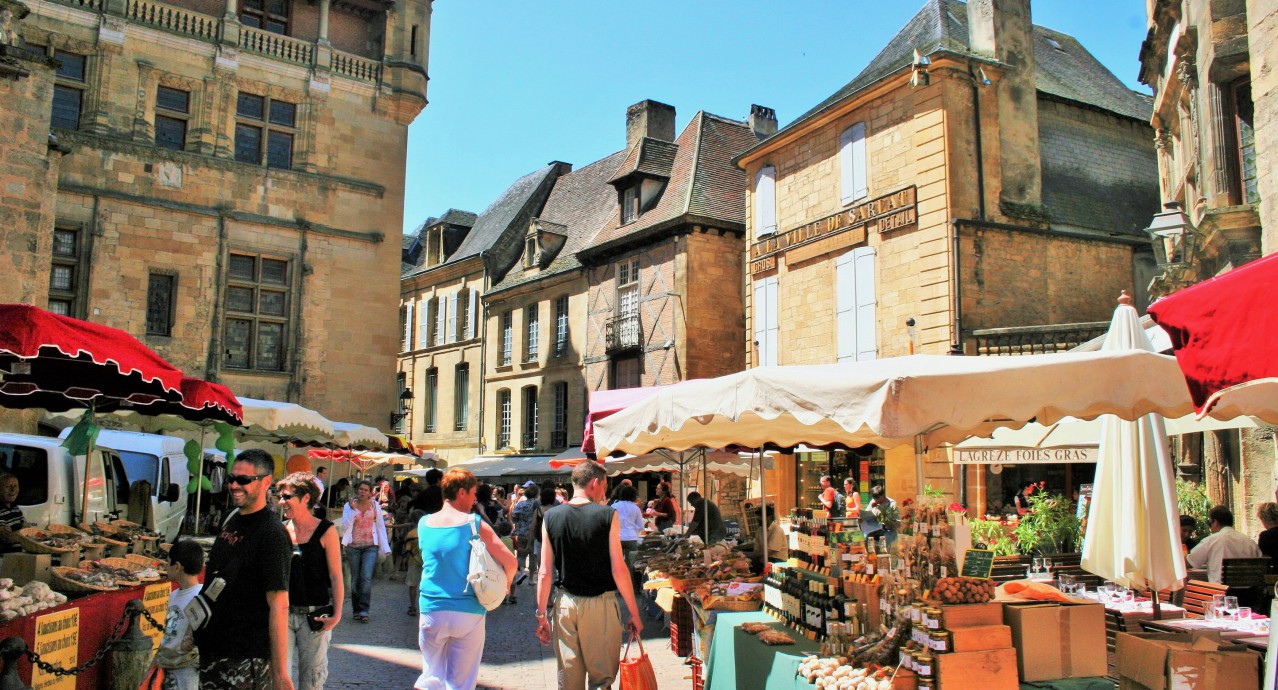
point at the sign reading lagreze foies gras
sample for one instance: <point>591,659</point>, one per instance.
<point>847,228</point>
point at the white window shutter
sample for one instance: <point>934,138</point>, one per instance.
<point>853,177</point>
<point>845,306</point>
<point>866,305</point>
<point>441,317</point>
<point>761,321</point>
<point>765,202</point>
<point>773,324</point>
<point>472,314</point>
<point>423,322</point>
<point>408,327</point>
<point>452,318</point>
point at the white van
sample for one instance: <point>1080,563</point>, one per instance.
<point>158,460</point>
<point>50,480</point>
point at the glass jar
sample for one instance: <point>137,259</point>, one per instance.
<point>933,618</point>
<point>923,666</point>
<point>941,642</point>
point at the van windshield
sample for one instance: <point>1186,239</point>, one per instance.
<point>140,466</point>
<point>31,467</point>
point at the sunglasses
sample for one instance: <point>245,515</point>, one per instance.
<point>286,497</point>
<point>245,479</point>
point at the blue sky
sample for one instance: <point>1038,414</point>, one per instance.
<point>517,84</point>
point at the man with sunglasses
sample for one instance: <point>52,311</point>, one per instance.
<point>244,644</point>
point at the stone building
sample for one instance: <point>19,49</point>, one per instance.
<point>230,172</point>
<point>980,181</point>
<point>1212,68</point>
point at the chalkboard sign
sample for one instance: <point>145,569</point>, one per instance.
<point>978,563</point>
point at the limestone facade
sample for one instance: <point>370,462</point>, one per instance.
<point>228,190</point>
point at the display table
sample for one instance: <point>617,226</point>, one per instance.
<point>1231,631</point>
<point>739,661</point>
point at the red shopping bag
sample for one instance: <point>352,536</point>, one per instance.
<point>153,680</point>
<point>637,674</point>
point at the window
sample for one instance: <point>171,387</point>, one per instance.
<point>764,314</point>
<point>424,321</point>
<point>257,312</point>
<point>507,336</point>
<point>461,396</point>
<point>559,432</point>
<point>432,399</point>
<point>532,321</point>
<point>626,372</point>
<point>530,252</point>
<point>452,318</point>
<point>441,317</point>
<point>630,203</point>
<point>530,417</point>
<point>853,180</point>
<point>855,306</point>
<point>765,202</point>
<point>469,313</point>
<point>172,109</point>
<point>66,277</point>
<point>269,15</point>
<point>264,129</point>
<point>1245,134</point>
<point>401,403</point>
<point>406,318</point>
<point>31,466</point>
<point>412,41</point>
<point>68,90</point>
<point>561,326</point>
<point>503,418</point>
<point>159,304</point>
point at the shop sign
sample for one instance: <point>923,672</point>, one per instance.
<point>57,641</point>
<point>155,599</point>
<point>1024,456</point>
<point>977,563</point>
<point>886,213</point>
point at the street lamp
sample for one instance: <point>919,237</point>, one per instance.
<point>405,404</point>
<point>1174,237</point>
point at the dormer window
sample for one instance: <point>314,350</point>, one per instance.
<point>530,252</point>
<point>543,242</point>
<point>630,203</point>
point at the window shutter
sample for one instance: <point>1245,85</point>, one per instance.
<point>773,325</point>
<point>471,314</point>
<point>423,322</point>
<point>408,327</point>
<point>765,202</point>
<point>765,320</point>
<point>452,318</point>
<point>441,316</point>
<point>853,179</point>
<point>845,306</point>
<point>866,305</point>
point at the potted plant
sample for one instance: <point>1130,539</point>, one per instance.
<point>1051,525</point>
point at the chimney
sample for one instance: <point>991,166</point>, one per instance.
<point>763,121</point>
<point>649,119</point>
<point>1003,30</point>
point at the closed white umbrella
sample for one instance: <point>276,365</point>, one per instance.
<point>1133,526</point>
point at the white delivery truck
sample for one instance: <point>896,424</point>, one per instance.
<point>50,480</point>
<point>159,461</point>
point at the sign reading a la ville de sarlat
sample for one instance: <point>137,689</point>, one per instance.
<point>846,228</point>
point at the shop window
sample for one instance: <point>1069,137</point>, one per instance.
<point>852,168</point>
<point>257,312</point>
<point>268,15</point>
<point>264,130</point>
<point>172,111</point>
<point>159,304</point>
<point>765,202</point>
<point>766,324</point>
<point>461,396</point>
<point>67,272</point>
<point>856,306</point>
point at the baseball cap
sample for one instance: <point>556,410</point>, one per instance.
<point>529,483</point>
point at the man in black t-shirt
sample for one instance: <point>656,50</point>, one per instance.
<point>581,551</point>
<point>243,646</point>
<point>431,499</point>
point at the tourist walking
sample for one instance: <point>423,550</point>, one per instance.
<point>243,646</point>
<point>581,552</point>
<point>364,539</point>
<point>526,512</point>
<point>451,619</point>
<point>315,589</point>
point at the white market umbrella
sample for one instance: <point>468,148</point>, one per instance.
<point>358,436</point>
<point>282,422</point>
<point>1132,525</point>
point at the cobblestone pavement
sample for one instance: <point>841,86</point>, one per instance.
<point>383,653</point>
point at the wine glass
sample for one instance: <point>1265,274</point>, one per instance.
<point>1067,583</point>
<point>1217,609</point>
<point>1047,564</point>
<point>1231,607</point>
<point>1244,617</point>
<point>1104,590</point>
<point>1038,564</point>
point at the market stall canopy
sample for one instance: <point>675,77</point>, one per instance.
<point>660,461</point>
<point>281,421</point>
<point>932,399</point>
<point>605,403</point>
<point>1223,331</point>
<point>497,466</point>
<point>358,436</point>
<point>203,403</point>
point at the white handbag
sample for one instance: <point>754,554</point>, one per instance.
<point>486,578</point>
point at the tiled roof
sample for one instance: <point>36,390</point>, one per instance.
<point>1069,72</point>
<point>581,201</point>
<point>455,216</point>
<point>703,181</point>
<point>648,156</point>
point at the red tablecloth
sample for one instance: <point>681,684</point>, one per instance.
<point>99,614</point>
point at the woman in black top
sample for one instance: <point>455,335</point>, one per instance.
<point>315,590</point>
<point>1268,540</point>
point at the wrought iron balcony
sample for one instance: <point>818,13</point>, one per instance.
<point>622,334</point>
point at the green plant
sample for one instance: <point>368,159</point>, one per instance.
<point>1050,526</point>
<point>994,536</point>
<point>932,492</point>
<point>1191,499</point>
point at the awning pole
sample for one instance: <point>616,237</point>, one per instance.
<point>918,465</point>
<point>761,539</point>
<point>199,481</point>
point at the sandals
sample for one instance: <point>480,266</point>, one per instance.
<point>362,619</point>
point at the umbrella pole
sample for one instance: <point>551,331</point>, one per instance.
<point>84,490</point>
<point>761,539</point>
<point>705,487</point>
<point>199,482</point>
<point>918,465</point>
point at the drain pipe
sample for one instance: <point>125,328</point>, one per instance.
<point>481,324</point>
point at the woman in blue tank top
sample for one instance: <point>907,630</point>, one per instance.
<point>451,620</point>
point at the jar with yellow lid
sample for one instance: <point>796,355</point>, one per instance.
<point>942,642</point>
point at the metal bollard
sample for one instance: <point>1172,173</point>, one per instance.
<point>131,655</point>
<point>11,649</point>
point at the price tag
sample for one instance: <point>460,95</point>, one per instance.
<point>978,563</point>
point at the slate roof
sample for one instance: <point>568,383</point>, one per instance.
<point>703,182</point>
<point>649,157</point>
<point>581,201</point>
<point>451,217</point>
<point>1068,72</point>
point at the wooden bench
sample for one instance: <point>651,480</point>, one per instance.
<point>1198,596</point>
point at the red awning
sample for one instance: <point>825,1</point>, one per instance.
<point>1224,329</point>
<point>605,403</point>
<point>201,401</point>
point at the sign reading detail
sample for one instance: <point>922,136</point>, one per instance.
<point>57,641</point>
<point>886,213</point>
<point>978,563</point>
<point>1024,456</point>
<point>156,600</point>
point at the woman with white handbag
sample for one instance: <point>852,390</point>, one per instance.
<point>466,571</point>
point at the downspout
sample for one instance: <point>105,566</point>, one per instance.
<point>976,130</point>
<point>481,325</point>
<point>295,382</point>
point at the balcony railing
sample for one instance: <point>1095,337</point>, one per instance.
<point>276,46</point>
<point>530,440</point>
<point>1026,340</point>
<point>170,18</point>
<point>356,67</point>
<point>559,438</point>
<point>622,333</point>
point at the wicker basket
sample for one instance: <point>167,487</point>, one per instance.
<point>131,581</point>
<point>102,534</point>
<point>145,561</point>
<point>63,584</point>
<point>125,523</point>
<point>682,585</point>
<point>32,546</point>
<point>125,563</point>
<point>714,603</point>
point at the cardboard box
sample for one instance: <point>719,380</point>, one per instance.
<point>1197,661</point>
<point>980,638</point>
<point>972,615</point>
<point>994,669</point>
<point>25,567</point>
<point>1055,640</point>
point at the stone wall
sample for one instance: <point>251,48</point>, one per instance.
<point>714,310</point>
<point>1262,37</point>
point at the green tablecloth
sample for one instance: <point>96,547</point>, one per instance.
<point>738,661</point>
<point>1097,683</point>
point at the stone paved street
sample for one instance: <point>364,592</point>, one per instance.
<point>383,653</point>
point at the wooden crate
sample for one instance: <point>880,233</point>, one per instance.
<point>972,615</point>
<point>25,567</point>
<point>980,638</point>
<point>994,669</point>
